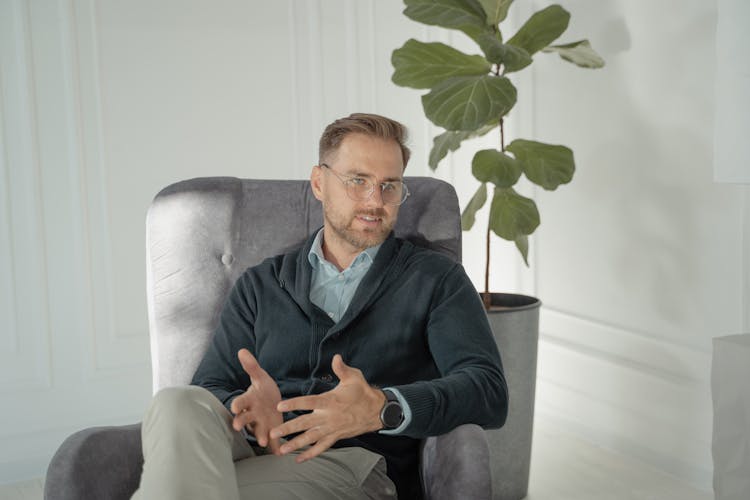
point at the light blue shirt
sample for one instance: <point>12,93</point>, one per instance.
<point>332,291</point>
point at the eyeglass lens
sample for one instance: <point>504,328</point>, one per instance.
<point>392,192</point>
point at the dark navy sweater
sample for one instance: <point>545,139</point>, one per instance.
<point>415,323</point>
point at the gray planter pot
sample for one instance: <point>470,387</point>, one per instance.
<point>515,324</point>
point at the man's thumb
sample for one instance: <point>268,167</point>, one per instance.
<point>341,369</point>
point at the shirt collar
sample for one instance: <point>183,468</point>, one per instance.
<point>315,255</point>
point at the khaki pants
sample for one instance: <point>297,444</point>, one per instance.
<point>191,451</point>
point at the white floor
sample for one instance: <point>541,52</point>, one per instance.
<point>563,467</point>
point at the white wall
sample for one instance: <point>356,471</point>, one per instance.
<point>640,261</point>
<point>103,103</point>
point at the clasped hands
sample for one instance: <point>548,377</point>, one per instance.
<point>350,409</point>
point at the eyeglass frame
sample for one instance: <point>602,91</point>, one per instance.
<point>382,185</point>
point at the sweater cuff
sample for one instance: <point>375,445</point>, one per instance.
<point>421,404</point>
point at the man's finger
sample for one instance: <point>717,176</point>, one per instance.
<point>307,438</point>
<point>275,446</point>
<point>314,451</point>
<point>261,435</point>
<point>242,419</point>
<point>249,364</point>
<point>238,404</point>
<point>299,424</point>
<point>302,403</point>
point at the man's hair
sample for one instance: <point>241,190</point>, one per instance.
<point>367,124</point>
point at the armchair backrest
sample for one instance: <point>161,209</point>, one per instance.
<point>201,234</point>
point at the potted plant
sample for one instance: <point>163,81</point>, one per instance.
<point>470,96</point>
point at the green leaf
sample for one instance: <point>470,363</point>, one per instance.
<point>469,102</point>
<point>515,58</point>
<point>450,141</point>
<point>579,53</point>
<point>422,65</point>
<point>511,57</point>
<point>544,164</point>
<point>522,244</point>
<point>491,165</point>
<point>512,215</point>
<point>444,143</point>
<point>470,212</point>
<point>541,29</point>
<point>465,15</point>
<point>492,46</point>
<point>496,10</point>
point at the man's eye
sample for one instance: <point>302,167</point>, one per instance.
<point>389,186</point>
<point>358,181</point>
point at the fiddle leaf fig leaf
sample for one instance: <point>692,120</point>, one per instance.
<point>469,102</point>
<point>492,46</point>
<point>511,57</point>
<point>541,29</point>
<point>522,244</point>
<point>512,215</point>
<point>579,53</point>
<point>515,58</point>
<point>491,165</point>
<point>496,10</point>
<point>422,65</point>
<point>444,143</point>
<point>475,203</point>
<point>450,140</point>
<point>464,15</point>
<point>544,164</point>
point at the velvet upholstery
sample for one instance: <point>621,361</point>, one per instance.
<point>201,235</point>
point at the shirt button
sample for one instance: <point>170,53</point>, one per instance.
<point>326,378</point>
<point>341,276</point>
<point>330,315</point>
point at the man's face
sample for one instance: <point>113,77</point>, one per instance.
<point>352,225</point>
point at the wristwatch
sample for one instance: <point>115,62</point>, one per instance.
<point>391,415</point>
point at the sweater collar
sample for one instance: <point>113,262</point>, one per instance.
<point>380,271</point>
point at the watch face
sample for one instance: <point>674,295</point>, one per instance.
<point>392,415</point>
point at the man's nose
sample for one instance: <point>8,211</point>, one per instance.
<point>376,199</point>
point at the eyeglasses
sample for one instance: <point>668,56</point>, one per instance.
<point>361,188</point>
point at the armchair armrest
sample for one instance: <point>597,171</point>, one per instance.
<point>100,462</point>
<point>106,463</point>
<point>457,465</point>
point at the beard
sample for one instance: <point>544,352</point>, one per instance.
<point>343,227</point>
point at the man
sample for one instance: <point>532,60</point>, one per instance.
<point>329,364</point>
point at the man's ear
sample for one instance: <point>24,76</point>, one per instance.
<point>315,181</point>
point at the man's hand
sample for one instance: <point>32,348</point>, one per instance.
<point>351,409</point>
<point>256,408</point>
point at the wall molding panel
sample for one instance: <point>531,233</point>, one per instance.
<point>25,363</point>
<point>8,316</point>
<point>112,346</point>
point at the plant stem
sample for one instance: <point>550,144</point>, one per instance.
<point>486,297</point>
<point>502,135</point>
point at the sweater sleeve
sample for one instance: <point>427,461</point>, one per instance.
<point>220,370</point>
<point>472,387</point>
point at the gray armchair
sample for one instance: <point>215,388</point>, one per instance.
<point>201,235</point>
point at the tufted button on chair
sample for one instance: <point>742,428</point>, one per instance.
<point>201,235</point>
